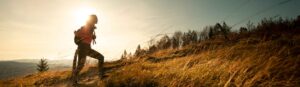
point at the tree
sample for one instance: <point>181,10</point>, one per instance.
<point>250,26</point>
<point>223,29</point>
<point>243,30</point>
<point>152,49</point>
<point>189,37</point>
<point>210,33</point>
<point>193,36</point>
<point>185,39</point>
<point>124,55</point>
<point>176,39</point>
<point>138,51</point>
<point>42,66</point>
<point>164,42</point>
<point>204,34</point>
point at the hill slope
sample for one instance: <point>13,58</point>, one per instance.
<point>261,57</point>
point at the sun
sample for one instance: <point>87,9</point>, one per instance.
<point>81,14</point>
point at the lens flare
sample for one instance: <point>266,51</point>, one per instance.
<point>81,14</point>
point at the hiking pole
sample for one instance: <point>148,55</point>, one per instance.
<point>94,35</point>
<point>74,62</point>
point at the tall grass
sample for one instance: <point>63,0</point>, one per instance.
<point>242,64</point>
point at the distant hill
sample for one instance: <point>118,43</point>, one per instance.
<point>16,68</point>
<point>13,69</point>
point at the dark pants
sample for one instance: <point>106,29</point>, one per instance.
<point>84,50</point>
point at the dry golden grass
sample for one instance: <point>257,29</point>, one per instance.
<point>47,78</point>
<point>265,63</point>
<point>242,64</point>
<point>37,79</point>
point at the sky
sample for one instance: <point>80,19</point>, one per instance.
<point>34,29</point>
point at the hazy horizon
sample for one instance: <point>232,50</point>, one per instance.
<point>34,29</point>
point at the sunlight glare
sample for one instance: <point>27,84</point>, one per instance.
<point>81,14</point>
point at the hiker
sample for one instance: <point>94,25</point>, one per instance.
<point>83,38</point>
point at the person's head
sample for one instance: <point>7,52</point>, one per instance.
<point>92,19</point>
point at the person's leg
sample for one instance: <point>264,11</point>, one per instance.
<point>100,57</point>
<point>82,53</point>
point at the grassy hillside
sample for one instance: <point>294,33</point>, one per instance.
<point>267,55</point>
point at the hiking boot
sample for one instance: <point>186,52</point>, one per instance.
<point>75,83</point>
<point>101,73</point>
<point>101,76</point>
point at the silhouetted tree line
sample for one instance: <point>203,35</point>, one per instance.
<point>126,55</point>
<point>267,29</point>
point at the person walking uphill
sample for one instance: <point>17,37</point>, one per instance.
<point>83,38</point>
